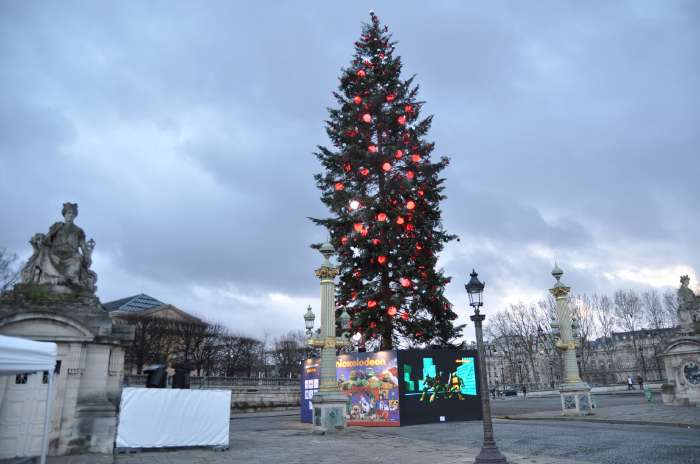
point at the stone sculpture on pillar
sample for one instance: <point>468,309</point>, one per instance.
<point>329,404</point>
<point>681,356</point>
<point>575,393</point>
<point>62,258</point>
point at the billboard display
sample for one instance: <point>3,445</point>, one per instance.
<point>438,386</point>
<point>371,382</point>
<point>310,375</point>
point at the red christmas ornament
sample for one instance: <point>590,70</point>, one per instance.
<point>367,117</point>
<point>401,119</point>
<point>357,275</point>
<point>391,97</point>
<point>372,149</point>
<point>357,226</point>
<point>410,204</point>
<point>386,167</point>
<point>364,171</point>
<point>405,282</point>
<point>404,315</point>
<point>399,220</point>
<point>339,186</point>
<point>421,192</point>
<point>364,232</point>
<point>361,73</point>
<point>408,108</point>
<point>375,241</point>
<point>381,217</point>
<point>381,56</point>
<point>419,334</point>
<point>419,247</point>
<point>391,311</point>
<point>353,295</point>
<point>373,325</point>
<point>410,175</point>
<point>415,158</point>
<point>410,227</point>
<point>357,99</point>
<point>381,259</point>
<point>351,133</point>
<point>344,240</point>
<point>398,154</point>
<point>371,304</point>
<point>347,167</point>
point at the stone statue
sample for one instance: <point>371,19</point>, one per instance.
<point>688,306</point>
<point>62,258</point>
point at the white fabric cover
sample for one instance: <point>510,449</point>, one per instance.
<point>159,417</point>
<point>19,355</point>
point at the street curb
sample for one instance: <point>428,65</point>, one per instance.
<point>605,421</point>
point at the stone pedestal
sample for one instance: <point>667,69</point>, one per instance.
<point>681,359</point>
<point>575,399</point>
<point>329,411</point>
<point>88,382</point>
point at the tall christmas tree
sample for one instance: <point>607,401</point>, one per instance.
<point>384,191</point>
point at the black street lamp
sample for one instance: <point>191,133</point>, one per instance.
<point>489,451</point>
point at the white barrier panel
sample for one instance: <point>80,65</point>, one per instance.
<point>158,418</point>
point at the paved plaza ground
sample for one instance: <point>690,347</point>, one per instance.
<point>280,438</point>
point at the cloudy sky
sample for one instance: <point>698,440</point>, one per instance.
<point>185,132</point>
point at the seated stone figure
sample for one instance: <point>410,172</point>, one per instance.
<point>62,257</point>
<point>688,307</point>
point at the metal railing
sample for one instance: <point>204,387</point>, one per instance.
<point>137,380</point>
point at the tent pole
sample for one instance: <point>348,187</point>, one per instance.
<point>47,419</point>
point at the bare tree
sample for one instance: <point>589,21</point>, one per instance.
<point>582,310</point>
<point>207,349</point>
<point>240,355</point>
<point>8,274</point>
<point>289,352</point>
<point>670,307</point>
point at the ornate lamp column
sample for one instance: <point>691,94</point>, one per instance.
<point>329,403</point>
<point>575,393</point>
<point>490,453</point>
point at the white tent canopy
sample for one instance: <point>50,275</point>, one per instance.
<point>19,355</point>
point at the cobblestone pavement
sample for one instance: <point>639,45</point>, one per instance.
<point>636,413</point>
<point>285,440</point>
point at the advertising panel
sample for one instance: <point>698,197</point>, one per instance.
<point>371,382</point>
<point>438,386</point>
<point>310,375</point>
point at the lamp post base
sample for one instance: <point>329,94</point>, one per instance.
<point>329,411</point>
<point>490,455</point>
<point>575,399</point>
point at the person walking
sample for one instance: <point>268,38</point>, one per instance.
<point>524,392</point>
<point>640,381</point>
<point>630,385</point>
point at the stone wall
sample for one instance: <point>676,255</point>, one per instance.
<point>247,394</point>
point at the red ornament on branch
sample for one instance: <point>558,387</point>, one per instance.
<point>364,232</point>
<point>373,325</point>
<point>410,204</point>
<point>372,149</point>
<point>399,220</point>
<point>421,192</point>
<point>357,226</point>
<point>391,311</point>
<point>410,175</point>
<point>381,259</point>
<point>364,171</point>
<point>398,154</point>
<point>391,97</point>
<point>401,119</point>
<point>361,73</point>
<point>375,241</point>
<point>381,217</point>
<point>386,167</point>
<point>419,247</point>
<point>415,158</point>
<point>371,304</point>
<point>347,167</point>
<point>357,99</point>
<point>344,240</point>
<point>404,315</point>
<point>408,108</point>
<point>405,282</point>
<point>339,186</point>
<point>367,117</point>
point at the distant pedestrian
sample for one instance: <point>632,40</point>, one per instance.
<point>524,392</point>
<point>630,385</point>
<point>640,381</point>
